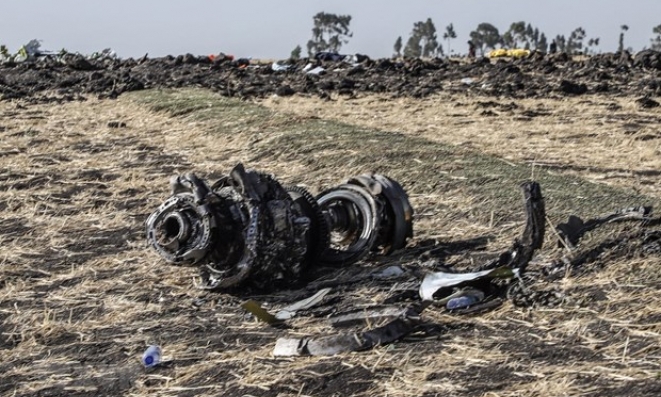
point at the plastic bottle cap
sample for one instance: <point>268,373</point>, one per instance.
<point>149,360</point>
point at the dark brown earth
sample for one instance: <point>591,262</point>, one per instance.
<point>534,77</point>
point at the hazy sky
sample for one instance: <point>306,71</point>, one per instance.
<point>272,28</point>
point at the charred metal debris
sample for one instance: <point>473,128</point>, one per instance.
<point>247,229</point>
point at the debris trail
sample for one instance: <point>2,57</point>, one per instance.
<point>534,76</point>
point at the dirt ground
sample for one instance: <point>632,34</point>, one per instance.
<point>82,294</point>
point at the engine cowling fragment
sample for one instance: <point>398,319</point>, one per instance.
<point>367,214</point>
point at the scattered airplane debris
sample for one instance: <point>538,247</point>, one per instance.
<point>434,284</point>
<point>358,341</point>
<point>571,231</point>
<point>105,75</point>
<point>246,228</point>
<point>510,264</point>
<point>287,312</point>
<point>290,311</point>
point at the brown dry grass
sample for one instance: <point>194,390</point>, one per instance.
<point>605,139</point>
<point>81,294</point>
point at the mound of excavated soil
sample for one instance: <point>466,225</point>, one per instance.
<point>537,76</point>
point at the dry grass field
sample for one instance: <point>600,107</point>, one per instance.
<point>82,294</point>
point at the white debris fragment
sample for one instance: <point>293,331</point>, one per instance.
<point>435,281</point>
<point>290,311</point>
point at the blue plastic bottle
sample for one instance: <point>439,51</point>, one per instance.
<point>152,356</point>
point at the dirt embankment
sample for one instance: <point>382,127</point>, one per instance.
<point>536,76</point>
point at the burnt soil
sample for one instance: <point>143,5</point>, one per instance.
<point>533,77</point>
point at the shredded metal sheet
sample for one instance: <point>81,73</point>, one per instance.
<point>357,341</point>
<point>290,311</point>
<point>434,282</point>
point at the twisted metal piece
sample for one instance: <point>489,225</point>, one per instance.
<point>246,228</point>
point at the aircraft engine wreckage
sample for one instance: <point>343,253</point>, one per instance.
<point>247,228</point>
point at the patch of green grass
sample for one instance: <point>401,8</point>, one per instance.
<point>423,167</point>
<point>201,105</point>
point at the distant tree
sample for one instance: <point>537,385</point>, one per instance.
<point>620,46</point>
<point>485,36</point>
<point>516,35</point>
<point>536,40</point>
<point>592,45</point>
<point>524,35</point>
<point>413,48</point>
<point>449,34</point>
<point>656,40</point>
<point>439,51</point>
<point>430,45</point>
<point>4,53</point>
<point>575,41</point>
<point>533,35</point>
<point>296,52</point>
<point>398,47</point>
<point>329,32</point>
<point>423,41</point>
<point>542,44</point>
<point>561,43</point>
<point>507,40</point>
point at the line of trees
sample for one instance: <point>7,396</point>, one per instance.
<point>330,32</point>
<point>523,35</point>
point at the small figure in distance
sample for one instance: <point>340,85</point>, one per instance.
<point>553,48</point>
<point>471,50</point>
